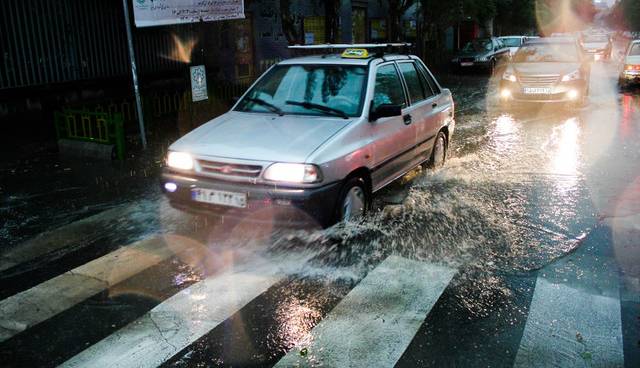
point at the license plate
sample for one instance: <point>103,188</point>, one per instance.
<point>537,91</point>
<point>466,64</point>
<point>219,197</point>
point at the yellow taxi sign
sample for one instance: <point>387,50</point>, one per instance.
<point>355,54</point>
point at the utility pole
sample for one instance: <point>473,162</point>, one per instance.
<point>134,74</point>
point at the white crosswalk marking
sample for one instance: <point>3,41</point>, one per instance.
<point>28,308</point>
<point>567,327</point>
<point>179,321</point>
<point>376,321</point>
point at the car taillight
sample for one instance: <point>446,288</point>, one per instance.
<point>631,67</point>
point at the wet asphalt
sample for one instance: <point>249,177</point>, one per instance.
<point>526,193</point>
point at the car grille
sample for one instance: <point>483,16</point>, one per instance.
<point>539,81</point>
<point>226,169</point>
<point>467,60</point>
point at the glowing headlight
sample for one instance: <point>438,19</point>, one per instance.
<point>293,173</point>
<point>508,75</point>
<point>180,160</point>
<point>571,76</point>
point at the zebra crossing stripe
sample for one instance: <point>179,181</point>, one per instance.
<point>568,327</point>
<point>376,321</point>
<point>30,307</point>
<point>179,321</point>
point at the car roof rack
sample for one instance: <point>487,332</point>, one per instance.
<point>381,48</point>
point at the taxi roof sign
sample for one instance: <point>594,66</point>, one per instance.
<point>355,54</point>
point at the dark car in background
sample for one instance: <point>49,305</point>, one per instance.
<point>481,53</point>
<point>597,46</point>
<point>547,70</point>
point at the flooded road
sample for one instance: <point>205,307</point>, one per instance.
<point>521,251</point>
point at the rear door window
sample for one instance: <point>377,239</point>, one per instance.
<point>415,85</point>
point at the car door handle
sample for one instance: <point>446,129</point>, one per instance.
<point>407,119</point>
<point>434,105</point>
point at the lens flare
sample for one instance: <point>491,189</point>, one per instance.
<point>182,49</point>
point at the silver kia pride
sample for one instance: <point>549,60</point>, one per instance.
<point>313,139</point>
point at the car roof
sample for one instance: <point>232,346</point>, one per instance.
<point>333,59</point>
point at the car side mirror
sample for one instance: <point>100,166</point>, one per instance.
<point>384,111</point>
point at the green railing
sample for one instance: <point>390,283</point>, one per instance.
<point>89,126</point>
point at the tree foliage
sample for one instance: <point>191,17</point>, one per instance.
<point>625,15</point>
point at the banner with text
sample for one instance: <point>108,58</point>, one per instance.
<point>150,13</point>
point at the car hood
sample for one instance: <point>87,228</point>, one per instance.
<point>595,45</point>
<point>635,60</point>
<point>263,137</point>
<point>545,68</point>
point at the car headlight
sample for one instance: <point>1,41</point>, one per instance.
<point>483,58</point>
<point>571,76</point>
<point>180,160</point>
<point>293,173</point>
<point>455,60</point>
<point>510,76</point>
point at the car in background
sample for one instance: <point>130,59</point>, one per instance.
<point>513,43</point>
<point>630,74</point>
<point>597,46</point>
<point>313,139</point>
<point>481,53</point>
<point>546,70</point>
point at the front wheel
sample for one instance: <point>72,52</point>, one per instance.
<point>353,202</point>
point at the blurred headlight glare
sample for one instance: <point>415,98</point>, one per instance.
<point>508,75</point>
<point>293,173</point>
<point>180,161</point>
<point>571,76</point>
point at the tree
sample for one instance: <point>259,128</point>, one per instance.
<point>332,16</point>
<point>397,9</point>
<point>290,23</point>
<point>625,15</point>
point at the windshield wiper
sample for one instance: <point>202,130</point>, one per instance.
<point>271,107</point>
<point>323,108</point>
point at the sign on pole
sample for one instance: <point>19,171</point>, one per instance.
<point>198,83</point>
<point>149,13</point>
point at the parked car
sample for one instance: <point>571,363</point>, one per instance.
<point>597,46</point>
<point>313,139</point>
<point>547,70</point>
<point>484,53</point>
<point>630,74</point>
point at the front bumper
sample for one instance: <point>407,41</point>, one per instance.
<point>559,92</point>
<point>471,64</point>
<point>266,204</point>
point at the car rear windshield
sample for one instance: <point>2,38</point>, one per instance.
<point>634,50</point>
<point>512,41</point>
<point>547,52</point>
<point>479,45</point>
<point>308,90</point>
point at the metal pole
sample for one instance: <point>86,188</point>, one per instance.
<point>134,74</point>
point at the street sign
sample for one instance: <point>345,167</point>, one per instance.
<point>149,13</point>
<point>198,83</point>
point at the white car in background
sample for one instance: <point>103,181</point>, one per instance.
<point>630,73</point>
<point>513,43</point>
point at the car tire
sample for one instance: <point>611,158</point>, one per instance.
<point>354,200</point>
<point>492,67</point>
<point>438,152</point>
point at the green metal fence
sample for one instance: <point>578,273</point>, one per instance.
<point>90,126</point>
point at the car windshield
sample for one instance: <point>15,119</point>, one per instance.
<point>512,41</point>
<point>478,45</point>
<point>308,90</point>
<point>549,52</point>
<point>634,50</point>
